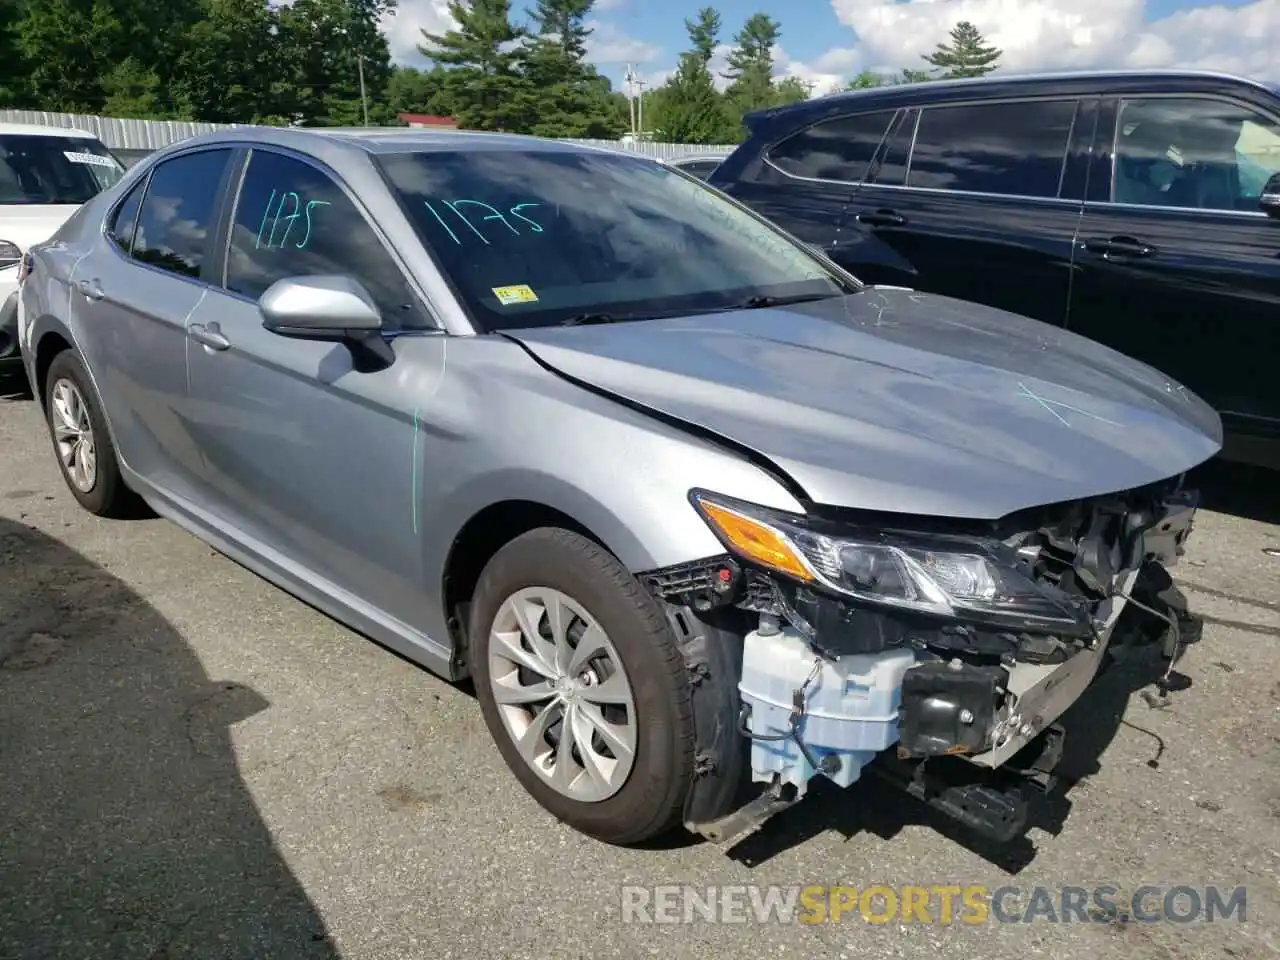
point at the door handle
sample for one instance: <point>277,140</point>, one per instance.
<point>881,218</point>
<point>92,289</point>
<point>208,336</point>
<point>1118,248</point>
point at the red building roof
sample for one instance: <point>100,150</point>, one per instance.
<point>427,120</point>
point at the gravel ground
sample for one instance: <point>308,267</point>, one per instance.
<point>194,764</point>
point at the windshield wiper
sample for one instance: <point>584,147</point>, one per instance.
<point>760,302</point>
<point>583,319</point>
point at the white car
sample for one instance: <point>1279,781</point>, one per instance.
<point>45,174</point>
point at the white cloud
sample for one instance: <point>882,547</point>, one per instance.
<point>601,6</point>
<point>404,26</point>
<point>825,75</point>
<point>609,45</point>
<point>1050,34</point>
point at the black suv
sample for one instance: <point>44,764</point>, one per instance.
<point>1140,209</point>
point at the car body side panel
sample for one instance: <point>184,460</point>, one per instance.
<point>363,481</point>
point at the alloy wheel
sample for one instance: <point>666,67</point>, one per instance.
<point>73,435</point>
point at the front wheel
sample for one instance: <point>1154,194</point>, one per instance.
<point>582,686</point>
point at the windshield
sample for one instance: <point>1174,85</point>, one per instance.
<point>37,169</point>
<point>545,237</point>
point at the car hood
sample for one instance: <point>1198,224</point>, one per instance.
<point>898,401</point>
<point>25,224</point>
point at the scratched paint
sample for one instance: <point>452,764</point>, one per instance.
<point>1050,406</point>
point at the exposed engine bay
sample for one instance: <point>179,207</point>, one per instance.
<point>938,656</point>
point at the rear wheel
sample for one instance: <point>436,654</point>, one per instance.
<point>582,686</point>
<point>81,441</point>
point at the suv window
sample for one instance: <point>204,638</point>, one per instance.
<point>1196,153</point>
<point>293,220</point>
<point>1016,149</point>
<point>838,149</point>
<point>40,169</point>
<point>178,210</point>
<point>125,221</point>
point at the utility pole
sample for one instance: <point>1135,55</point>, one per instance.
<point>630,79</point>
<point>364,101</point>
<point>640,111</point>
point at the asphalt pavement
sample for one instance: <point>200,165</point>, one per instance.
<point>195,764</point>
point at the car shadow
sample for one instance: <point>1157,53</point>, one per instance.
<point>1239,489</point>
<point>125,828</point>
<point>1091,724</point>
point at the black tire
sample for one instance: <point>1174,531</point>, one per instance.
<point>650,802</point>
<point>108,497</point>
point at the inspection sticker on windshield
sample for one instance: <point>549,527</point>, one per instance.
<point>90,158</point>
<point>520,293</point>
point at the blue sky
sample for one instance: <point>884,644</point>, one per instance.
<point>827,41</point>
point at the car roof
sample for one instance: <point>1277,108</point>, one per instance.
<point>38,130</point>
<point>381,140</point>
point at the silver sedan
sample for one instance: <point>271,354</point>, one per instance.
<point>691,504</point>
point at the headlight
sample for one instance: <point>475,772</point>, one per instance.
<point>956,577</point>
<point>10,255</point>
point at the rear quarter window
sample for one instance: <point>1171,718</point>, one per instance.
<point>837,149</point>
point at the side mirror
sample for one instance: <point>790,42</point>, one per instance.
<point>1269,201</point>
<point>332,308</point>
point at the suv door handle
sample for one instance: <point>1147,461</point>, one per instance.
<point>1118,248</point>
<point>209,336</point>
<point>881,218</point>
<point>92,289</point>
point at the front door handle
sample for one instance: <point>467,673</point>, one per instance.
<point>882,218</point>
<point>209,336</point>
<point>92,289</point>
<point>1118,248</point>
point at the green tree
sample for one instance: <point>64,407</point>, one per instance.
<point>234,68</point>
<point>790,90</point>
<point>410,90</point>
<point>72,46</point>
<point>688,108</point>
<point>13,73</point>
<point>484,80</point>
<point>569,102</point>
<point>967,55</point>
<point>132,90</point>
<point>866,80</point>
<point>326,45</point>
<point>750,72</point>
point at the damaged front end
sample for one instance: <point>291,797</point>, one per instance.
<point>938,658</point>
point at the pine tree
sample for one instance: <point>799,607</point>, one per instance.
<point>484,82</point>
<point>751,64</point>
<point>968,54</point>
<point>570,100</point>
<point>688,108</point>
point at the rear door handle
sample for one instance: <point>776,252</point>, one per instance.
<point>208,336</point>
<point>92,288</point>
<point>1118,248</point>
<point>881,218</point>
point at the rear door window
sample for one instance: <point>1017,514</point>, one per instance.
<point>1013,148</point>
<point>178,211</point>
<point>837,149</point>
<point>50,170</point>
